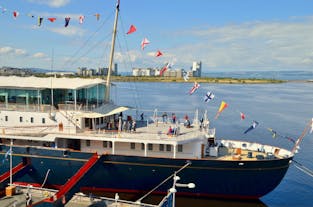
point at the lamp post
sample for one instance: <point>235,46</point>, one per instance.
<point>175,184</point>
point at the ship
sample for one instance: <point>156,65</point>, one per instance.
<point>66,134</point>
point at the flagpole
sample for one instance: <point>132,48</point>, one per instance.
<point>11,161</point>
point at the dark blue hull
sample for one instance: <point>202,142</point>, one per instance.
<point>134,174</point>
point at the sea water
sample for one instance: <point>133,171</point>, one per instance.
<point>285,108</point>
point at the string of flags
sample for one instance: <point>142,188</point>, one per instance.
<point>40,19</point>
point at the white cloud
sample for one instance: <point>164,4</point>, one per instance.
<point>67,31</point>
<point>39,55</point>
<point>51,3</point>
<point>12,51</point>
<point>254,45</point>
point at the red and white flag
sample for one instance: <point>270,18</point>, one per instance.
<point>16,14</point>
<point>158,53</point>
<point>167,65</point>
<point>194,88</point>
<point>132,29</point>
<point>81,19</point>
<point>242,116</point>
<point>144,42</point>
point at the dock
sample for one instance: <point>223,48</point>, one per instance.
<point>19,199</point>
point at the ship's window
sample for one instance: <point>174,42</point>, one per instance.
<point>180,148</point>
<point>31,119</point>
<point>105,144</point>
<point>132,145</point>
<point>168,148</point>
<point>21,119</point>
<point>142,146</point>
<point>161,147</point>
<point>150,147</point>
<point>6,118</point>
<point>88,143</point>
<point>43,120</point>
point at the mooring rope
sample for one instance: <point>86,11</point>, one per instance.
<point>303,168</point>
<point>183,167</point>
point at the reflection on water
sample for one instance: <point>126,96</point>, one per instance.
<point>206,202</point>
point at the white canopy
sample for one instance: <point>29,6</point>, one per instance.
<point>50,82</point>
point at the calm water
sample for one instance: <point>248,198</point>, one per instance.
<point>286,108</point>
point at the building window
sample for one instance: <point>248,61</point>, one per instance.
<point>161,147</point>
<point>150,147</point>
<point>180,148</point>
<point>105,144</point>
<point>168,148</point>
<point>132,145</point>
<point>142,146</point>
<point>21,119</point>
<point>43,120</point>
<point>88,143</point>
<point>6,118</point>
<point>110,144</point>
<point>31,119</point>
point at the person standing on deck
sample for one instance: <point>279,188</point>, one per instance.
<point>164,117</point>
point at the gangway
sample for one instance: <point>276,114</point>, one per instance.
<point>71,187</point>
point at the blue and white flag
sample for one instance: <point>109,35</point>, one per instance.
<point>253,126</point>
<point>186,76</point>
<point>208,96</point>
<point>6,155</point>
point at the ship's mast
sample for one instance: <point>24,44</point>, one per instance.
<point>108,83</point>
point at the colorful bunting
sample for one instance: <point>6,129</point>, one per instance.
<point>144,42</point>
<point>242,116</point>
<point>223,106</point>
<point>275,134</point>
<point>52,19</point>
<point>208,96</point>
<point>67,21</point>
<point>158,53</point>
<point>81,19</point>
<point>253,126</point>
<point>39,21</point>
<point>132,29</point>
<point>194,88</point>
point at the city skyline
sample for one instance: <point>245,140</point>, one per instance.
<point>223,35</point>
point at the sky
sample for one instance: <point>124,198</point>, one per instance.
<point>225,35</point>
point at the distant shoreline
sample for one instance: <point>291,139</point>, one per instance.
<point>197,79</point>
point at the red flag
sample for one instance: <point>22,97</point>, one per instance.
<point>52,19</point>
<point>144,42</point>
<point>242,116</point>
<point>158,54</point>
<point>15,14</point>
<point>164,69</point>
<point>131,29</point>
